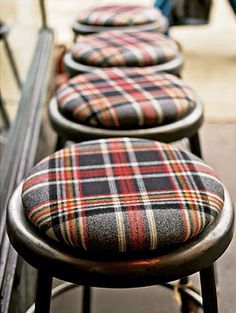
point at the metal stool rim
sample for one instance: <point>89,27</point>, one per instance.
<point>173,66</point>
<point>185,127</point>
<point>69,264</point>
<point>83,29</point>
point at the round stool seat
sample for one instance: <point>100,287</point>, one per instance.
<point>123,17</point>
<point>124,49</point>
<point>122,196</point>
<point>125,99</point>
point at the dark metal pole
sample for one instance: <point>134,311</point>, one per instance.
<point>195,145</point>
<point>43,293</point>
<point>5,117</point>
<point>12,62</point>
<point>43,13</point>
<point>86,299</point>
<point>208,287</point>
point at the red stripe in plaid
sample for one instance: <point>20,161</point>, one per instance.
<point>116,48</point>
<point>122,195</point>
<point>125,99</point>
<point>120,15</point>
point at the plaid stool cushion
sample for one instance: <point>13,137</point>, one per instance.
<point>120,15</point>
<point>116,48</point>
<point>125,99</point>
<point>122,195</point>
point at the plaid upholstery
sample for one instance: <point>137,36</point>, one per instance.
<point>116,48</point>
<point>122,195</point>
<point>125,99</point>
<point>119,15</point>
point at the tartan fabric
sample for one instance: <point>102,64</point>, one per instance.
<point>122,195</point>
<point>125,99</point>
<point>120,15</point>
<point>116,48</point>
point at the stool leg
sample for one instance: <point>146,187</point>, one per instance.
<point>184,298</point>
<point>3,111</point>
<point>43,293</point>
<point>195,145</point>
<point>12,62</point>
<point>208,287</point>
<point>86,299</point>
<point>60,143</point>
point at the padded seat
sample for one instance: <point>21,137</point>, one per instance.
<point>124,17</point>
<point>123,49</point>
<point>125,99</point>
<point>122,195</point>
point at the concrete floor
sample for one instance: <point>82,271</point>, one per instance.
<point>210,67</point>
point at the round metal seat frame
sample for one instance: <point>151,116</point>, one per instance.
<point>73,67</point>
<point>160,26</point>
<point>186,127</point>
<point>52,259</point>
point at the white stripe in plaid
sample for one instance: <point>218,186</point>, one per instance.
<point>125,99</point>
<point>120,15</point>
<point>122,195</point>
<point>116,48</point>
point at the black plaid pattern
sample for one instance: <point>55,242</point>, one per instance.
<point>125,99</point>
<point>119,15</point>
<point>122,195</point>
<point>116,48</point>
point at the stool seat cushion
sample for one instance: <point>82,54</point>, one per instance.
<point>125,99</point>
<point>122,195</point>
<point>119,15</point>
<point>124,49</point>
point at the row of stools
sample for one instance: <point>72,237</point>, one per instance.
<point>119,209</point>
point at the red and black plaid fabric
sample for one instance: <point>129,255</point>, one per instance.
<point>120,15</point>
<point>116,48</point>
<point>125,99</point>
<point>122,195</point>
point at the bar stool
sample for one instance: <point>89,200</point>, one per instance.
<point>137,102</point>
<point>120,17</point>
<point>125,50</point>
<point>121,213</point>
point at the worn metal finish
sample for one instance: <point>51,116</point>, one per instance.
<point>186,127</point>
<point>74,67</point>
<point>68,264</point>
<point>208,286</point>
<point>20,150</point>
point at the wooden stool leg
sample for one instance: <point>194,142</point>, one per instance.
<point>208,287</point>
<point>43,293</point>
<point>195,145</point>
<point>86,299</point>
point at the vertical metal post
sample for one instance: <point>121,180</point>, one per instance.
<point>208,286</point>
<point>195,145</point>
<point>43,13</point>
<point>86,299</point>
<point>43,293</point>
<point>184,297</point>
